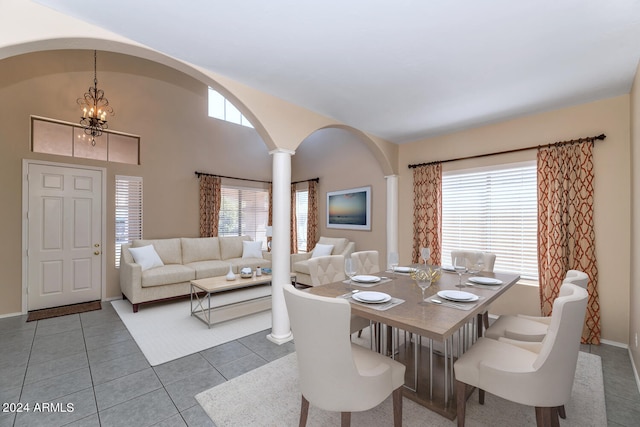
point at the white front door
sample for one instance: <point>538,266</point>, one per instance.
<point>64,246</point>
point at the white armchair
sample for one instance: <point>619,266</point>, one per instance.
<point>299,262</point>
<point>542,379</point>
<point>334,374</point>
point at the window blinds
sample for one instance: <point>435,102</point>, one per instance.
<point>493,211</point>
<point>128,211</point>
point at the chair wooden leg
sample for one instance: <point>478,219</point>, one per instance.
<point>397,407</point>
<point>461,401</point>
<point>485,319</point>
<point>547,417</point>
<point>562,412</point>
<point>481,396</point>
<point>304,412</point>
<point>345,419</point>
<point>480,324</point>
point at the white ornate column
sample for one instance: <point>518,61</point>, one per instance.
<point>392,215</point>
<point>280,248</point>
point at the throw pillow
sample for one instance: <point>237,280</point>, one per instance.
<point>321,250</point>
<point>146,256</point>
<point>252,249</point>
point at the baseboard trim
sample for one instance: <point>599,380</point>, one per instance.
<point>2,316</point>
<point>615,344</point>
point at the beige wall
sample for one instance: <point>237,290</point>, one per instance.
<point>166,108</point>
<point>634,299</point>
<point>612,190</point>
<point>342,161</point>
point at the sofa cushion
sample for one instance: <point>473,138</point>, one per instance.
<point>200,249</point>
<point>166,275</point>
<point>302,266</point>
<point>339,244</point>
<point>170,250</point>
<point>146,257</point>
<point>252,263</point>
<point>211,268</point>
<point>231,246</point>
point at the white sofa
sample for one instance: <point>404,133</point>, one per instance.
<point>299,262</point>
<point>184,259</point>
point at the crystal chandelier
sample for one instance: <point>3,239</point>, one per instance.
<point>94,107</point>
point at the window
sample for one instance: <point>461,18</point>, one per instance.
<point>128,211</point>
<point>244,212</point>
<point>67,139</point>
<point>302,198</point>
<point>221,108</point>
<point>494,211</point>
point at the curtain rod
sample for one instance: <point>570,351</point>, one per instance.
<point>252,180</point>
<point>559,143</point>
<point>307,180</point>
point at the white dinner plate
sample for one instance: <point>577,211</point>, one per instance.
<point>485,280</point>
<point>404,269</point>
<point>459,296</point>
<point>448,268</point>
<point>366,279</point>
<point>371,297</point>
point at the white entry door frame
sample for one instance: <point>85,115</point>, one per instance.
<point>80,265</point>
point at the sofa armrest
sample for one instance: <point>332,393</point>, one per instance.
<point>130,279</point>
<point>267,255</point>
<point>299,257</point>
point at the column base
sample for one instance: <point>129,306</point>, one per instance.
<point>280,340</point>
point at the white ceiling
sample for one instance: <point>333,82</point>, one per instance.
<point>399,69</point>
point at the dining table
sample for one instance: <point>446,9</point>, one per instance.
<point>439,328</point>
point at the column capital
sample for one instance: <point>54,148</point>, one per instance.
<point>391,176</point>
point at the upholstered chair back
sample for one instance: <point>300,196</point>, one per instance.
<point>326,269</point>
<point>557,359</point>
<point>488,258</point>
<point>577,277</point>
<point>366,262</point>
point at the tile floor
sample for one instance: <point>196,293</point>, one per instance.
<point>91,361</point>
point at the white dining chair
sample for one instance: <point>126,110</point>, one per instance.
<point>334,374</point>
<point>542,378</point>
<point>531,328</point>
<point>488,261</point>
<point>329,269</point>
<point>366,262</point>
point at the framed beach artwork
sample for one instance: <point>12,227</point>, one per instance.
<point>349,209</point>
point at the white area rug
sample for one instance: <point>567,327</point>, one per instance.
<point>167,331</point>
<point>269,396</point>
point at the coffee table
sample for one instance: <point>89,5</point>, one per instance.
<point>203,289</point>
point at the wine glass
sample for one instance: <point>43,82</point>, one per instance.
<point>349,269</point>
<point>394,260</point>
<point>460,266</point>
<point>425,253</point>
<point>476,265</point>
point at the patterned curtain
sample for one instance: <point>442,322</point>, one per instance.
<point>566,239</point>
<point>294,221</point>
<point>313,227</point>
<point>427,211</point>
<point>270,218</point>
<point>210,199</point>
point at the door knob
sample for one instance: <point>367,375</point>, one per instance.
<point>97,245</point>
<point>96,253</point>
